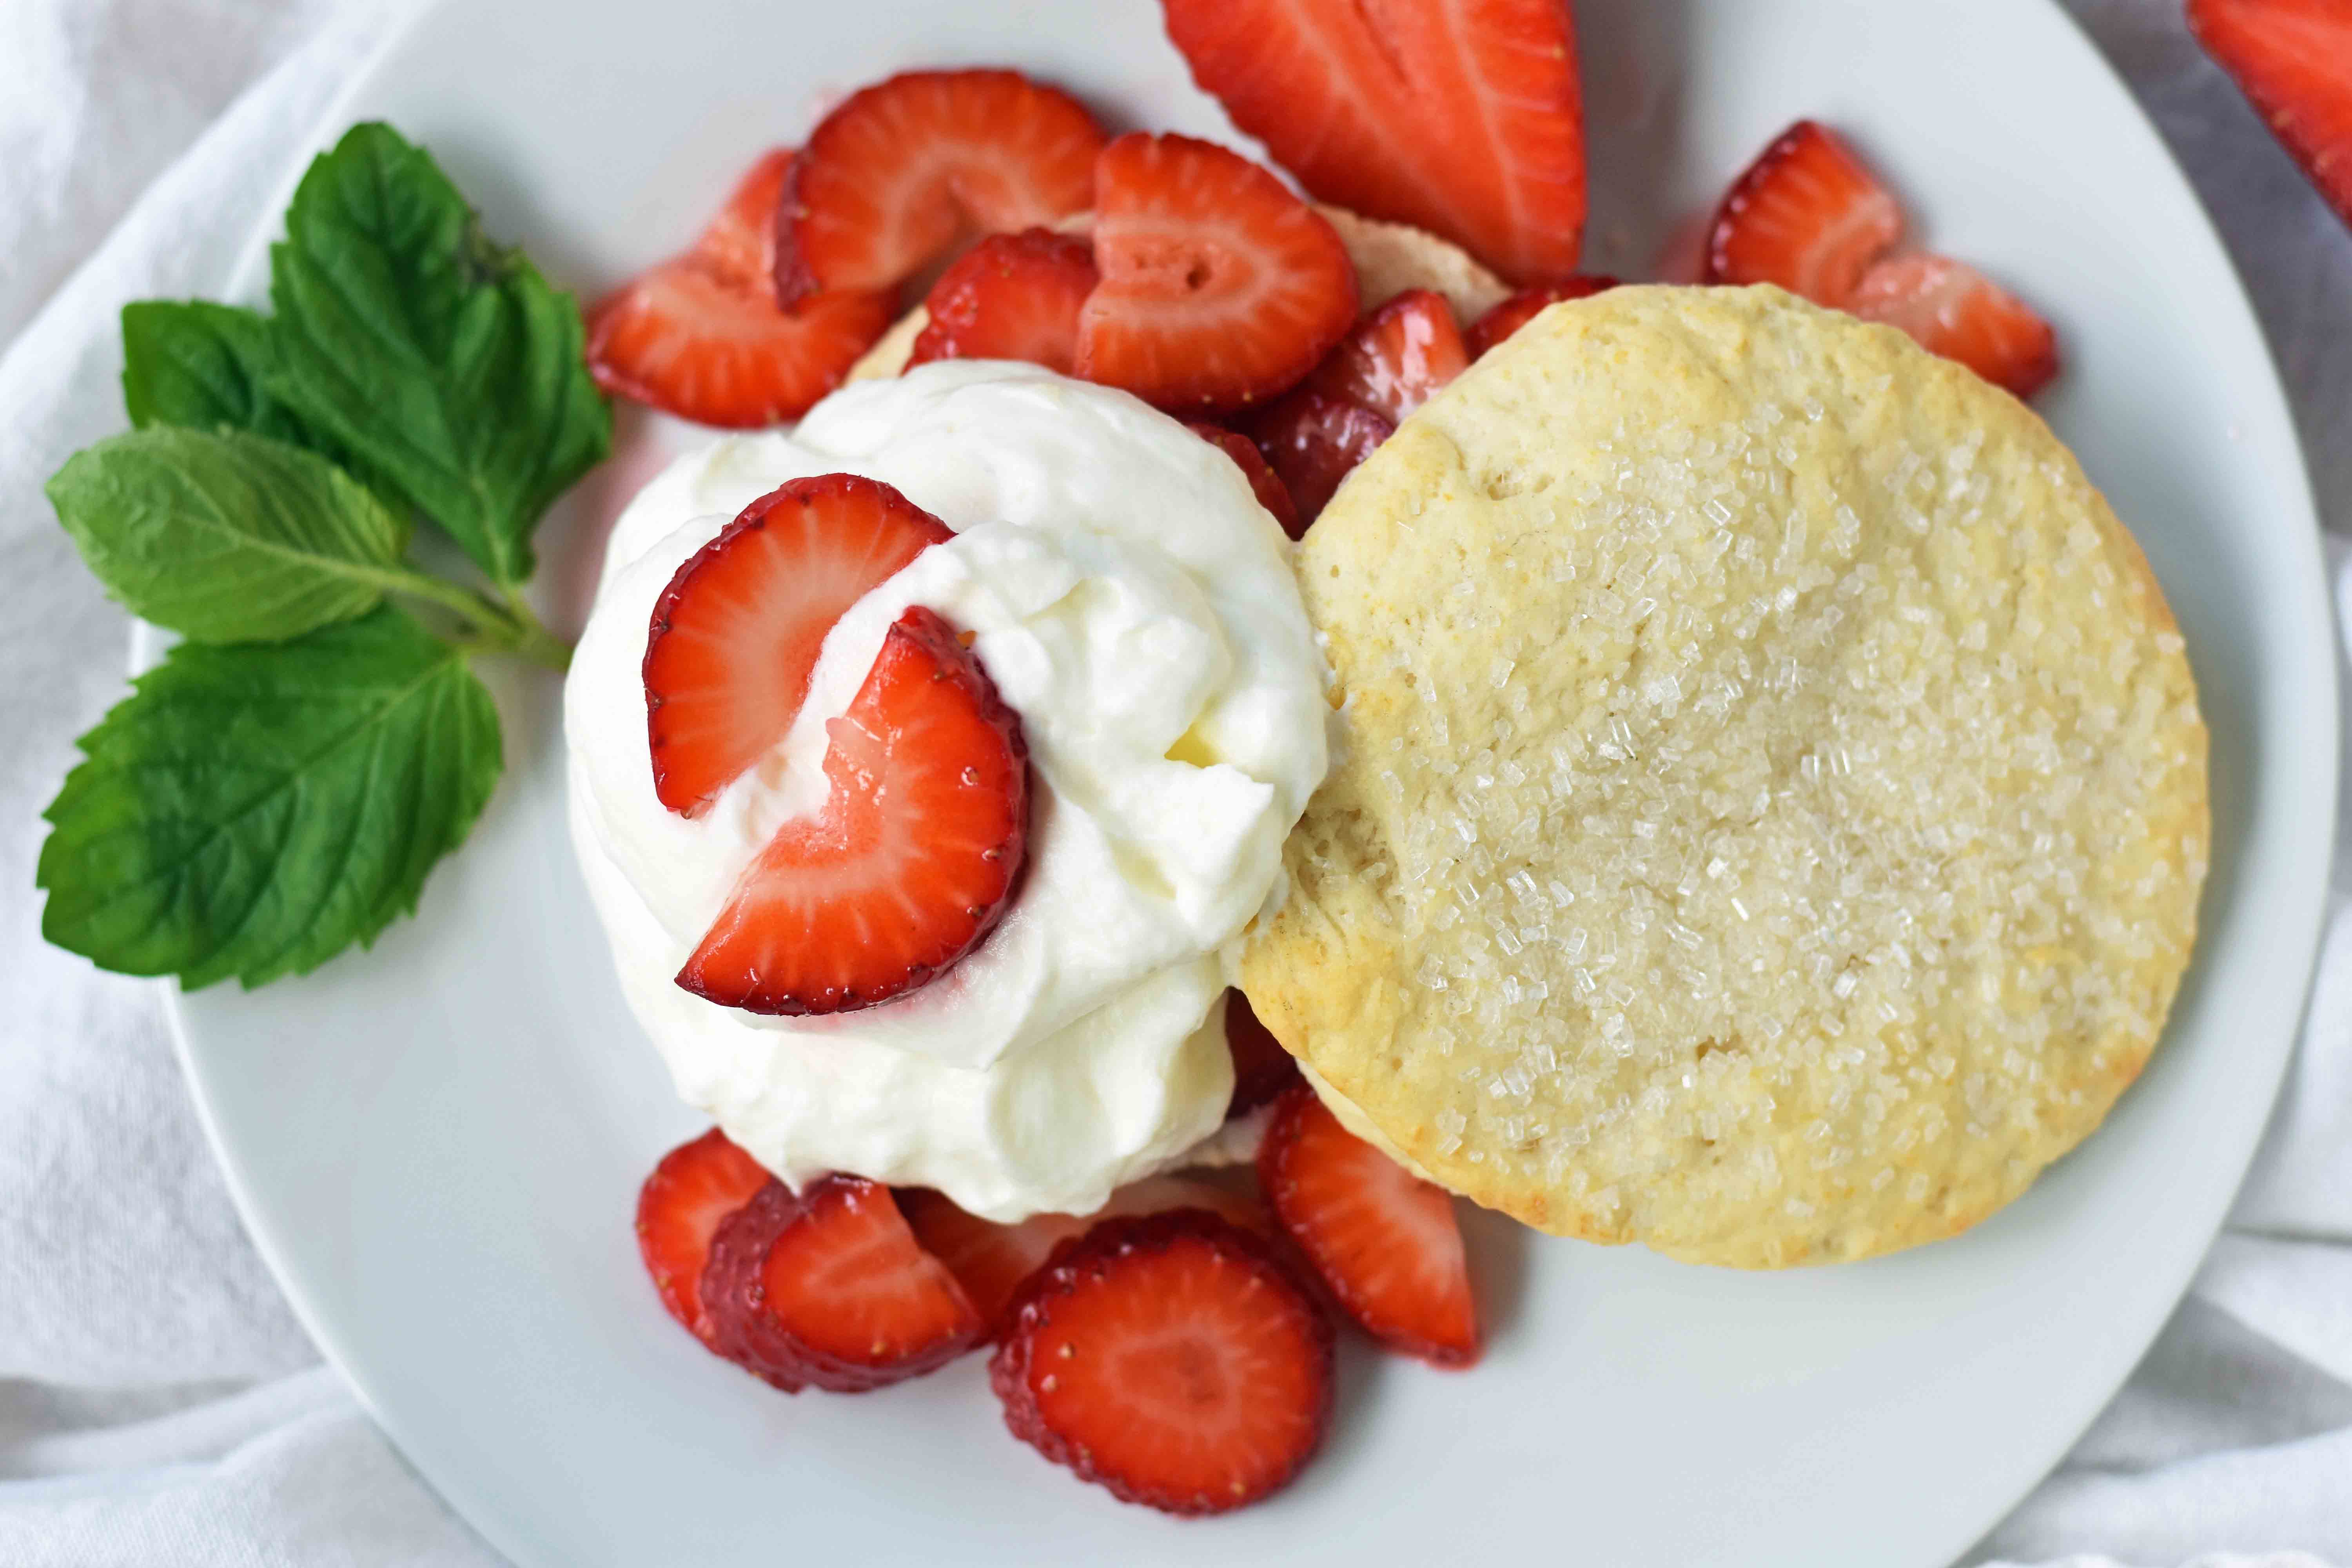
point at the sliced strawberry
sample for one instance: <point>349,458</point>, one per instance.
<point>1460,116</point>
<point>697,1185</point>
<point>701,337</point>
<point>831,1287</point>
<point>740,244</point>
<point>1956,310</point>
<point>1262,1068</point>
<point>1807,216</point>
<point>1396,357</point>
<point>1385,1241</point>
<point>904,170</point>
<point>1311,442</point>
<point>1516,311</point>
<point>988,1261</point>
<point>736,634</point>
<point>991,1261</point>
<point>683,339</point>
<point>1171,1359</point>
<point>912,859</point>
<point>1219,287</point>
<point>1263,483</point>
<point>1012,296</point>
<point>2294,59</point>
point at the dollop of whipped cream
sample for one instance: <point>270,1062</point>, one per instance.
<point>1135,606</point>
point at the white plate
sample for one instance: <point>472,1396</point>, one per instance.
<point>437,1144</point>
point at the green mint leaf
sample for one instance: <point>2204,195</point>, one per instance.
<point>250,812</point>
<point>444,364</point>
<point>227,537</point>
<point>207,367</point>
<point>204,366</point>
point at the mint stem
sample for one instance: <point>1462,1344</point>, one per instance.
<point>509,628</point>
<point>542,647</point>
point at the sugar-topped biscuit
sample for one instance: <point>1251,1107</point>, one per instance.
<point>1773,802</point>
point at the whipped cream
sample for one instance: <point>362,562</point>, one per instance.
<point>1135,606</point>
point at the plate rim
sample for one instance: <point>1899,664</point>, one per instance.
<point>477,1506</point>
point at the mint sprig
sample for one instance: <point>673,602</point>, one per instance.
<point>443,362</point>
<point>228,536</point>
<point>280,786</point>
<point>204,366</point>
<point>249,812</point>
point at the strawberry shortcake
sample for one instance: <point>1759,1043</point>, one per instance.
<point>936,763</point>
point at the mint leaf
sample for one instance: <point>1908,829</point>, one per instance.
<point>208,367</point>
<point>202,365</point>
<point>226,537</point>
<point>444,364</point>
<point>250,812</point>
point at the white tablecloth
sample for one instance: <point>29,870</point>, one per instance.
<point>158,1404</point>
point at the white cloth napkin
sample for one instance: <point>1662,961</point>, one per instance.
<point>158,1404</point>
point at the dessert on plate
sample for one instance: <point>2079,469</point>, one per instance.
<point>1248,712</point>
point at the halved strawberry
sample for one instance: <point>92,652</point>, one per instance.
<point>1807,216</point>
<point>1012,296</point>
<point>912,859</point>
<point>1263,483</point>
<point>1516,311</point>
<point>1311,442</point>
<point>1396,357</point>
<point>1171,1359</point>
<point>1460,116</point>
<point>831,1287</point>
<point>701,337</point>
<point>1385,1241</point>
<point>684,339</point>
<point>1219,287</point>
<point>904,170</point>
<point>697,1185</point>
<point>991,1261</point>
<point>1956,310</point>
<point>1262,1068</point>
<point>740,242</point>
<point>736,634</point>
<point>2294,59</point>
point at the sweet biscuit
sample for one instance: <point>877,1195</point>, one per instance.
<point>1773,801</point>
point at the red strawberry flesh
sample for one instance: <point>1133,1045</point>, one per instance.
<point>740,244</point>
<point>905,171</point>
<point>700,336</point>
<point>1312,442</point>
<point>1172,1359</point>
<point>1397,357</point>
<point>736,635</point>
<point>1807,215</point>
<point>1262,1068</point>
<point>832,1288</point>
<point>1517,310</point>
<point>1463,117</point>
<point>1219,288</point>
<point>1012,296</point>
<point>731,1290</point>
<point>910,861</point>
<point>697,1185</point>
<point>993,1260</point>
<point>1386,1242</point>
<point>2294,59</point>
<point>686,341</point>
<point>1263,482</point>
<point>1957,312</point>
